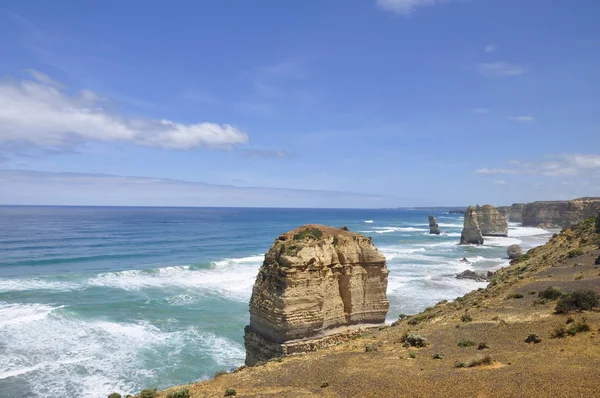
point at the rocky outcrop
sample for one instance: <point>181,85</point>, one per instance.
<point>513,213</point>
<point>433,226</point>
<point>471,233</point>
<point>559,214</point>
<point>315,283</point>
<point>491,222</point>
<point>514,251</point>
<point>482,276</point>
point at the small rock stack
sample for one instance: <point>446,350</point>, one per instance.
<point>433,226</point>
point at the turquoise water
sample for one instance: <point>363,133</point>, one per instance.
<point>98,299</point>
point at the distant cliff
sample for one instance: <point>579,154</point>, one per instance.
<point>558,214</point>
<point>513,213</point>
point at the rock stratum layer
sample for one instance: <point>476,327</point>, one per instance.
<point>552,214</point>
<point>434,228</point>
<point>314,283</point>
<point>471,233</point>
<point>491,221</point>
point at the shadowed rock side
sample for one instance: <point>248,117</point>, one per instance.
<point>315,281</point>
<point>471,233</point>
<point>513,213</point>
<point>433,226</point>
<point>491,222</point>
<point>552,214</point>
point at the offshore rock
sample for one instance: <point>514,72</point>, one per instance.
<point>471,233</point>
<point>514,251</point>
<point>315,285</point>
<point>433,226</point>
<point>491,222</point>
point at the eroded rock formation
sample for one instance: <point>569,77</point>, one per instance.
<point>514,251</point>
<point>433,226</point>
<point>491,222</point>
<point>558,214</point>
<point>478,276</point>
<point>471,233</point>
<point>315,282</point>
<point>513,213</point>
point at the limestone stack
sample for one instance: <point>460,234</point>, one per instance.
<point>433,226</point>
<point>314,284</point>
<point>471,233</point>
<point>491,222</point>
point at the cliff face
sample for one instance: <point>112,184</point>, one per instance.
<point>558,214</point>
<point>314,279</point>
<point>513,213</point>
<point>471,233</point>
<point>491,222</point>
<point>433,226</point>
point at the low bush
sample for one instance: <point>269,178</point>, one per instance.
<point>414,340</point>
<point>514,296</point>
<point>370,348</point>
<point>574,253</point>
<point>148,393</point>
<point>478,361</point>
<point>437,356</point>
<point>466,343</point>
<point>533,338</point>
<point>311,233</point>
<point>114,395</point>
<point>550,293</point>
<point>559,332</point>
<point>482,346</point>
<point>183,393</point>
<point>230,392</point>
<point>324,384</point>
<point>466,318</point>
<point>413,355</point>
<point>580,300</point>
<point>578,327</point>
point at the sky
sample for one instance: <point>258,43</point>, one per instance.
<point>316,103</point>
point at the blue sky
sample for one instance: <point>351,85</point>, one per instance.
<point>336,103</point>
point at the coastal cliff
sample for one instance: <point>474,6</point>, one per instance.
<point>505,340</point>
<point>315,281</point>
<point>559,214</point>
<point>491,221</point>
<point>513,213</point>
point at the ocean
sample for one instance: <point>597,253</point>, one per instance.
<point>95,300</point>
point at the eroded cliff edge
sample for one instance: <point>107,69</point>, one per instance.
<point>552,214</point>
<point>315,282</point>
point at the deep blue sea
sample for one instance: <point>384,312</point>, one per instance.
<point>101,299</point>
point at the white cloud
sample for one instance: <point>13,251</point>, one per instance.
<point>500,182</point>
<point>525,118</point>
<point>556,166</point>
<point>490,48</point>
<point>499,69</point>
<point>42,113</point>
<point>405,7</point>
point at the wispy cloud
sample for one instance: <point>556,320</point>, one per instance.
<point>41,113</point>
<point>499,69</point>
<point>555,166</point>
<point>525,118</point>
<point>267,153</point>
<point>490,48</point>
<point>405,7</point>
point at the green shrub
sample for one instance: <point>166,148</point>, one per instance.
<point>310,233</point>
<point>578,328</point>
<point>550,293</point>
<point>221,373</point>
<point>478,361</point>
<point>437,356</point>
<point>114,395</point>
<point>580,300</point>
<point>574,253</point>
<point>514,296</point>
<point>413,355</point>
<point>230,392</point>
<point>414,340</point>
<point>531,292</point>
<point>370,348</point>
<point>533,338</point>
<point>466,318</point>
<point>324,384</point>
<point>148,393</point>
<point>183,393</point>
<point>466,343</point>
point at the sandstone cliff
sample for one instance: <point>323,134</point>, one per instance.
<point>558,214</point>
<point>513,213</point>
<point>471,233</point>
<point>433,226</point>
<point>491,222</point>
<point>315,281</point>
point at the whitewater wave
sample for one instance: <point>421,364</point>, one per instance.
<point>10,285</point>
<point>526,231</point>
<point>18,314</point>
<point>369,221</point>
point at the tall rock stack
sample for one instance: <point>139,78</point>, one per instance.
<point>434,228</point>
<point>314,284</point>
<point>471,233</point>
<point>491,222</point>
